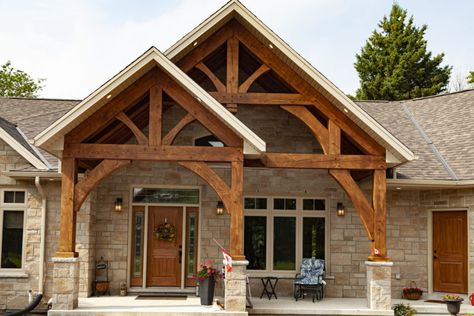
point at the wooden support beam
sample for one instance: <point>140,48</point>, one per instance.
<point>268,56</point>
<point>379,191</point>
<point>171,135</point>
<point>264,99</point>
<point>220,87</point>
<point>85,185</point>
<point>212,178</point>
<point>237,211</point>
<point>158,153</point>
<point>323,161</point>
<point>141,138</point>
<point>251,79</point>
<point>318,130</point>
<point>334,138</point>
<point>359,201</point>
<point>67,228</point>
<point>155,116</point>
<point>202,114</point>
<point>202,50</point>
<point>107,113</point>
<point>232,70</point>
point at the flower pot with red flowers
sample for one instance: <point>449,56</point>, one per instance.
<point>412,292</point>
<point>207,276</point>
<point>453,303</point>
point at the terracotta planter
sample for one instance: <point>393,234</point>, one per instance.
<point>206,291</point>
<point>454,306</point>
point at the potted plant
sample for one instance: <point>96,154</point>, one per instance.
<point>207,277</point>
<point>412,292</point>
<point>403,310</point>
<point>453,303</point>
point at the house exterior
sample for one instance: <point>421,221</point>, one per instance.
<point>231,115</point>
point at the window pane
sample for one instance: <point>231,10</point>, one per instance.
<point>164,195</point>
<point>8,197</point>
<point>12,244</point>
<point>319,205</point>
<point>249,203</point>
<point>19,197</point>
<point>279,204</point>
<point>313,237</point>
<point>284,236</point>
<point>137,259</point>
<point>308,205</point>
<point>192,243</point>
<point>290,204</point>
<point>255,242</point>
<point>261,203</point>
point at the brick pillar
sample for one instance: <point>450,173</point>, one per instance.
<point>379,292</point>
<point>65,283</point>
<point>236,287</point>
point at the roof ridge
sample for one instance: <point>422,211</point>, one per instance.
<point>39,99</point>
<point>442,94</point>
<point>429,142</point>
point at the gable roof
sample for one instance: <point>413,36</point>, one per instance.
<point>438,129</point>
<point>13,136</point>
<point>235,9</point>
<point>33,115</point>
<point>52,137</point>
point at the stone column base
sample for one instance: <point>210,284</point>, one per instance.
<point>379,291</point>
<point>236,287</point>
<point>65,283</point>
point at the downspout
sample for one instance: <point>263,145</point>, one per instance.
<point>43,234</point>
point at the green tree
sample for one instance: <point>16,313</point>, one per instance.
<point>470,77</point>
<point>394,64</point>
<point>17,83</point>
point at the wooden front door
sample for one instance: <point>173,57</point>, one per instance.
<point>450,251</point>
<point>164,257</point>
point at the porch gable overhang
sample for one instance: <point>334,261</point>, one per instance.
<point>396,152</point>
<point>52,138</point>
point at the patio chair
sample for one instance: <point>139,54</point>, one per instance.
<point>310,279</point>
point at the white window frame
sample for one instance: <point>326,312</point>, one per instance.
<point>16,207</point>
<point>270,214</point>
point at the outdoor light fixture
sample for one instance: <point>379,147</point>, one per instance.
<point>118,204</point>
<point>341,211</point>
<point>219,208</point>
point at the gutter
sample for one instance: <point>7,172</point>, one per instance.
<point>429,184</point>
<point>39,187</point>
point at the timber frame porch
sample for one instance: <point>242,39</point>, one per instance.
<point>209,75</point>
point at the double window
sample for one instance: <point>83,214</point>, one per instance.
<point>12,224</point>
<point>280,231</point>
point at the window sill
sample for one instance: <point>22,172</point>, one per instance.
<point>13,274</point>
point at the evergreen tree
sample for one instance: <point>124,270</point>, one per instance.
<point>394,64</point>
<point>17,83</point>
<point>470,77</point>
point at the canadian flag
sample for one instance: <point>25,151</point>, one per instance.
<point>227,260</point>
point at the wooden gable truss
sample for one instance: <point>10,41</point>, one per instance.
<point>335,132</point>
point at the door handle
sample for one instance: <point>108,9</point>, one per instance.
<point>435,257</point>
<point>180,253</point>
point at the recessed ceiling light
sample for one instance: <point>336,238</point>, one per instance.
<point>346,110</point>
<point>195,43</point>
<point>109,96</point>
<point>398,188</point>
<point>270,45</point>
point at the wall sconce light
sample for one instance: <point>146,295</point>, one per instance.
<point>118,204</point>
<point>341,211</point>
<point>219,208</point>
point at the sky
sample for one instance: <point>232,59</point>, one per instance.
<point>78,45</point>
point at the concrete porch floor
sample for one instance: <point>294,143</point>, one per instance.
<point>128,305</point>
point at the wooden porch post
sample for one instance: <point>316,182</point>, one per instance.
<point>379,192</point>
<point>237,211</point>
<point>67,237</point>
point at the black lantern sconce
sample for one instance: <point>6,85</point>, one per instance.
<point>219,208</point>
<point>341,211</point>
<point>118,204</point>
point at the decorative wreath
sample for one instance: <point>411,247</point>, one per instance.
<point>165,232</point>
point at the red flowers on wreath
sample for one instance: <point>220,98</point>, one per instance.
<point>206,271</point>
